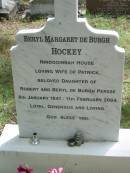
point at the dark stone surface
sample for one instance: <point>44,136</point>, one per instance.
<point>0,3</point>
<point>121,7</point>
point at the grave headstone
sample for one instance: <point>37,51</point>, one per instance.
<point>4,2</point>
<point>8,8</point>
<point>68,77</point>
<point>109,6</point>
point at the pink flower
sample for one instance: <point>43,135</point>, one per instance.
<point>55,170</point>
<point>24,169</point>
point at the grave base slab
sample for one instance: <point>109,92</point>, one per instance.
<point>91,157</point>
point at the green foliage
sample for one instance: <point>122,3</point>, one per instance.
<point>125,122</point>
<point>5,44</point>
<point>5,71</point>
<point>7,105</point>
